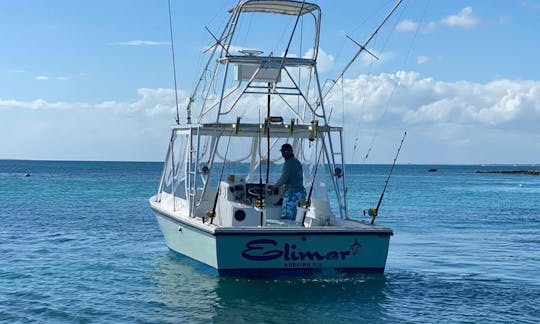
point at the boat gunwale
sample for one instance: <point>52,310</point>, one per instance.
<point>282,231</point>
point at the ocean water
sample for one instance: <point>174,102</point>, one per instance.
<point>78,243</point>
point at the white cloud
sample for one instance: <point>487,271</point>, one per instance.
<point>530,4</point>
<point>416,99</point>
<point>407,26</point>
<point>422,59</point>
<point>463,19</point>
<point>139,42</point>
<point>40,104</point>
<point>325,61</point>
<point>467,122</point>
<point>452,117</point>
<point>504,20</point>
<point>111,130</point>
<point>429,27</point>
<point>46,77</point>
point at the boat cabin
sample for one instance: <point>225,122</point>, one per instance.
<point>221,173</point>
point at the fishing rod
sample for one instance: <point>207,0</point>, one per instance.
<point>362,47</point>
<point>267,125</point>
<point>212,213</point>
<point>307,202</point>
<point>259,202</point>
<point>374,211</point>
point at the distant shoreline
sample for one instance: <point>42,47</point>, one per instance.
<point>529,172</point>
<point>428,165</point>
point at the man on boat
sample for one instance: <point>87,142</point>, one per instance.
<point>293,179</point>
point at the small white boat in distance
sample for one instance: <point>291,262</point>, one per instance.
<point>216,203</point>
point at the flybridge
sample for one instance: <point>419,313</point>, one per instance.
<point>255,58</point>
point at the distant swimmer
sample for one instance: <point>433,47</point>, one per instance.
<point>27,174</point>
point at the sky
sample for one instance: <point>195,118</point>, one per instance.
<point>93,80</point>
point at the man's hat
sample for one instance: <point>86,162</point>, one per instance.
<point>286,147</point>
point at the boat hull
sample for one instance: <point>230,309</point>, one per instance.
<point>271,251</point>
<point>186,239</point>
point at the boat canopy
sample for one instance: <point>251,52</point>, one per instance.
<point>283,7</point>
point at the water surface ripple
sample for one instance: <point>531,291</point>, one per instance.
<point>78,243</point>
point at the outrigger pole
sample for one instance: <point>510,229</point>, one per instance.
<point>360,50</point>
<point>374,211</point>
<point>218,41</point>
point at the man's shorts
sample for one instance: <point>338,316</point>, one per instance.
<point>290,202</point>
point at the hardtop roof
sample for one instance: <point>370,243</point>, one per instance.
<point>284,7</point>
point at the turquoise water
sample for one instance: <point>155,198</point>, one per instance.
<point>78,243</point>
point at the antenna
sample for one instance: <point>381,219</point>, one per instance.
<point>174,68</point>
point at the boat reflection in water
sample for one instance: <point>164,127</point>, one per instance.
<point>184,296</point>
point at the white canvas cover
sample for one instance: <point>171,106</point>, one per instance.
<point>278,7</point>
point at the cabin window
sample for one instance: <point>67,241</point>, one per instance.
<point>175,177</point>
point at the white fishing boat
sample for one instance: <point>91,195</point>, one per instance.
<point>216,202</point>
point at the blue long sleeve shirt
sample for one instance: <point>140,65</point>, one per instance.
<point>292,176</point>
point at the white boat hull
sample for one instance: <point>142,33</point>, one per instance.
<point>269,251</point>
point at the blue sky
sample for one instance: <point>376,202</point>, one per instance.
<point>92,80</point>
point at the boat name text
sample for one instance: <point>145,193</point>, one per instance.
<point>264,250</point>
